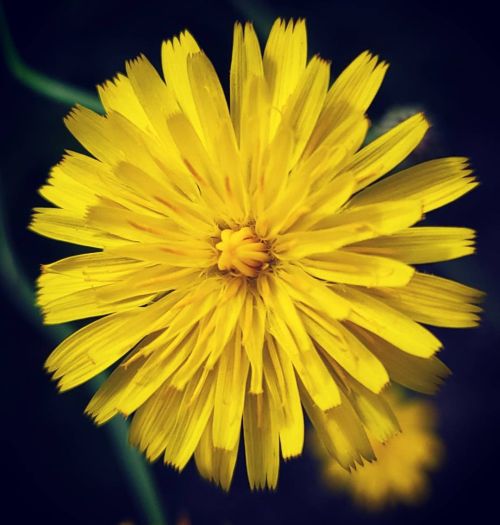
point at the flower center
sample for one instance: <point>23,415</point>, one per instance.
<point>242,251</point>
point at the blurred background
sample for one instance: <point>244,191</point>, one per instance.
<point>59,468</point>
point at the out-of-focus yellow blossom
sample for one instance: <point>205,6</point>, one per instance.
<point>400,473</point>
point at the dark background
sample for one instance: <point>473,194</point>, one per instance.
<point>60,469</point>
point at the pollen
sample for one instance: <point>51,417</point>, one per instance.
<point>242,251</point>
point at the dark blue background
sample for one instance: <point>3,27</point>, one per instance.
<point>58,468</point>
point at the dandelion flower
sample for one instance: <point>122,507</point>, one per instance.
<point>248,262</point>
<point>400,473</point>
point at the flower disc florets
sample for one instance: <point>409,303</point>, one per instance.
<point>241,251</point>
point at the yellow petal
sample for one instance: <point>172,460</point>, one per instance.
<point>246,61</point>
<point>155,280</point>
<point>90,269</point>
<point>355,87</point>
<point>102,406</point>
<point>304,289</point>
<point>420,245</point>
<point>390,324</point>
<point>220,141</point>
<point>325,202</point>
<point>226,301</point>
<point>172,422</point>
<point>84,303</point>
<point>69,226</point>
<point>195,254</point>
<point>230,387</point>
<point>154,96</point>
<point>174,57</point>
<point>353,225</point>
<point>351,94</point>
<point>358,269</point>
<point>253,327</point>
<point>261,442</point>
<point>285,401</point>
<point>308,364</point>
<point>340,431</point>
<point>95,133</point>
<point>128,225</point>
<point>416,373</point>
<point>213,463</point>
<point>285,208</point>
<point>160,190</point>
<point>375,413</point>
<point>345,349</point>
<point>254,130</point>
<point>159,357</point>
<point>285,57</point>
<point>387,151</point>
<point>384,218</point>
<point>80,182</point>
<point>113,139</point>
<point>197,160</point>
<point>118,95</point>
<point>434,183</point>
<point>436,301</point>
<point>348,135</point>
<point>273,177</point>
<point>302,109</point>
<point>210,102</point>
<point>133,382</point>
<point>226,317</point>
<point>93,348</point>
<point>193,304</point>
<point>71,184</point>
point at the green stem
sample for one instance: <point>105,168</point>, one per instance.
<point>259,13</point>
<point>53,89</point>
<point>135,468</point>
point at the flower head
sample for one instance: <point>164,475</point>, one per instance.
<point>248,260</point>
<point>400,472</point>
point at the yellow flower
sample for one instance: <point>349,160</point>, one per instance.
<point>400,472</point>
<point>248,262</point>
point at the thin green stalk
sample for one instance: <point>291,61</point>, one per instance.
<point>259,13</point>
<point>135,468</point>
<point>49,87</point>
